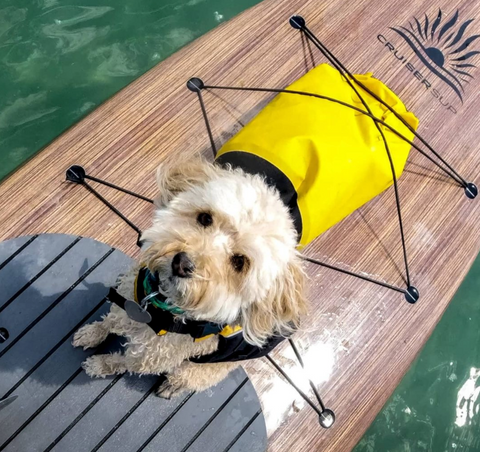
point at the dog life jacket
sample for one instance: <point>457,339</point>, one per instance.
<point>165,319</point>
<point>325,159</point>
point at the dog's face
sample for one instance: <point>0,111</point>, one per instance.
<point>224,248</point>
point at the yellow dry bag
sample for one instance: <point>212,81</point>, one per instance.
<point>332,157</point>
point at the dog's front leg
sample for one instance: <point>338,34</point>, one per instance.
<point>194,377</point>
<point>104,365</point>
<point>93,334</point>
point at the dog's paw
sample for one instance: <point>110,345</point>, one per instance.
<point>168,391</point>
<point>95,366</point>
<point>89,336</point>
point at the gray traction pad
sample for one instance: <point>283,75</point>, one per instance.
<point>50,285</point>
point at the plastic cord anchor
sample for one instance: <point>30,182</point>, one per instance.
<point>3,335</point>
<point>411,294</point>
<point>7,401</point>
<point>471,190</point>
<point>76,174</point>
<point>326,418</point>
<point>195,84</point>
<point>297,22</point>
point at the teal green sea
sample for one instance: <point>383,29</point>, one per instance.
<point>59,59</point>
<point>436,407</point>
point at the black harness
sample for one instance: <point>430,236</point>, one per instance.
<point>163,319</point>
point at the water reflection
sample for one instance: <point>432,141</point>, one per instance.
<point>467,405</point>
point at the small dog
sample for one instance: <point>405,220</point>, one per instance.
<point>223,246</point>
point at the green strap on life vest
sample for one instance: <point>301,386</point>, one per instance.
<point>146,284</point>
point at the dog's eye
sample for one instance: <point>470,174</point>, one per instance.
<point>238,262</point>
<point>205,219</point>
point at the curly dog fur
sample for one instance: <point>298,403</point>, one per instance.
<point>245,270</point>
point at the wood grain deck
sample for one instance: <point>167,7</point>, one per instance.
<point>359,339</point>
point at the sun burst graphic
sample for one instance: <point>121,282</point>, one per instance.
<point>442,45</point>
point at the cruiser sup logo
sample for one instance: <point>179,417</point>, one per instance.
<point>444,55</point>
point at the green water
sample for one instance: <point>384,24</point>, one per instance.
<point>436,407</point>
<point>59,59</point>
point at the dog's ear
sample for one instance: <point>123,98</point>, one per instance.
<point>177,174</point>
<point>280,312</point>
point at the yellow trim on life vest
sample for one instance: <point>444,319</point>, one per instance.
<point>226,332</point>
<point>230,331</point>
<point>200,339</point>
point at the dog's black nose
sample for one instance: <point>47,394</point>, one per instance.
<point>182,266</point>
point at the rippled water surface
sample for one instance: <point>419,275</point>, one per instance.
<point>59,59</point>
<point>436,408</point>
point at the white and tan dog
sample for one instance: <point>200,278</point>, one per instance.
<point>224,247</point>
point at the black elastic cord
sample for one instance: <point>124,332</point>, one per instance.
<point>300,360</point>
<point>207,123</point>
<point>357,275</point>
<point>116,187</point>
<point>77,175</point>
<point>331,57</point>
<point>289,380</point>
<point>112,207</point>
<point>331,99</point>
<point>343,71</point>
<point>306,48</point>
